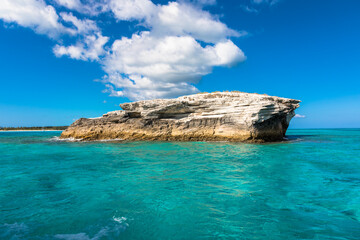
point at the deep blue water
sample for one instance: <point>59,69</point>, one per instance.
<point>308,188</point>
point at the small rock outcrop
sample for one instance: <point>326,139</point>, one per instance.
<point>219,116</point>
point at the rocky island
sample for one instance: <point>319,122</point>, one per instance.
<point>218,116</point>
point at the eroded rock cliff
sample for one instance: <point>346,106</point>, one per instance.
<point>219,116</point>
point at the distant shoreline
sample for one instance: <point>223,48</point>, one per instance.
<point>33,129</point>
<point>30,130</point>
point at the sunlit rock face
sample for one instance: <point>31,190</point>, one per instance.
<point>219,116</point>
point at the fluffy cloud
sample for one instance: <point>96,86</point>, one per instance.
<point>84,26</point>
<point>181,43</point>
<point>89,48</point>
<point>34,14</point>
<point>132,9</point>
<point>168,59</point>
<point>141,88</point>
<point>149,66</point>
<point>173,19</point>
<point>92,7</point>
<point>183,19</point>
<point>43,18</point>
<point>71,4</point>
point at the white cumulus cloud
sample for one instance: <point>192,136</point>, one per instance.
<point>168,59</point>
<point>132,9</point>
<point>92,7</point>
<point>184,19</point>
<point>83,26</point>
<point>179,44</point>
<point>71,4</point>
<point>89,48</point>
<point>34,14</point>
<point>151,66</point>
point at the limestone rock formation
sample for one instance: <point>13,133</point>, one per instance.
<point>219,116</point>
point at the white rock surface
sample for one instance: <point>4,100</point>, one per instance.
<point>232,116</point>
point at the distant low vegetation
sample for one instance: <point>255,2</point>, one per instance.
<point>33,128</point>
<point>233,91</point>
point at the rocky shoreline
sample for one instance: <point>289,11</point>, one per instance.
<point>219,116</point>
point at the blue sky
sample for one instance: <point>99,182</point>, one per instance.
<point>307,50</point>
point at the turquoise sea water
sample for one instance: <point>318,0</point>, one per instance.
<point>307,188</point>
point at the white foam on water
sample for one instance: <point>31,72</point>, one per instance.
<point>58,139</point>
<point>111,230</point>
<point>71,139</point>
<point>119,219</point>
<point>109,140</point>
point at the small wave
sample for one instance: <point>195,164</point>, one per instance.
<point>110,140</point>
<point>71,139</point>
<point>111,230</point>
<point>58,139</point>
<point>13,231</point>
<point>292,139</point>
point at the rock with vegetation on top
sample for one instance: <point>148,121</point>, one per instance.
<point>218,116</point>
